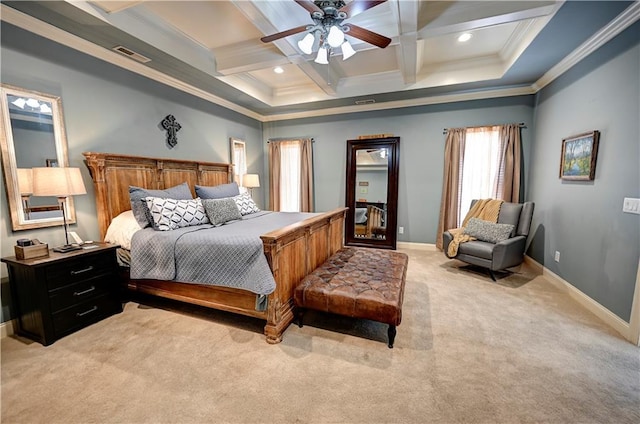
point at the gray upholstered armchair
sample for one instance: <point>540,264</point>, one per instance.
<point>503,254</point>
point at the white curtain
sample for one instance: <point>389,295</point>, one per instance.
<point>290,176</point>
<point>481,168</point>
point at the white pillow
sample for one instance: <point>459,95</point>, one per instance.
<point>245,204</point>
<point>121,229</point>
<point>170,214</point>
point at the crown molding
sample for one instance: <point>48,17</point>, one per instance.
<point>424,101</point>
<point>45,30</point>
<point>53,33</point>
<point>621,22</point>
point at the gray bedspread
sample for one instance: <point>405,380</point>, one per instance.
<point>230,255</point>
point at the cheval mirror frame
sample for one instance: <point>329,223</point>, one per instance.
<point>368,162</point>
<point>32,135</point>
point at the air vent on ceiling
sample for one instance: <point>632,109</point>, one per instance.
<point>130,53</point>
<point>365,102</point>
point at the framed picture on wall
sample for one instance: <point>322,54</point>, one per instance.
<point>52,163</point>
<point>578,157</point>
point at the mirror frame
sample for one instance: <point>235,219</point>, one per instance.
<point>233,143</point>
<point>393,168</point>
<point>9,162</point>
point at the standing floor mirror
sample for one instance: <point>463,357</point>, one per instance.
<point>33,135</point>
<point>372,192</point>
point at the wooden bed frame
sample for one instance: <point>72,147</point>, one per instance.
<point>292,252</point>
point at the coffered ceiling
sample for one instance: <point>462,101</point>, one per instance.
<point>213,49</point>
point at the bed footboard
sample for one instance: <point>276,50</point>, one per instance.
<point>293,252</point>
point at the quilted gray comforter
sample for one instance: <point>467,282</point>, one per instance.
<point>230,255</point>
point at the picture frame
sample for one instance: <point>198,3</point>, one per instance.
<point>51,163</point>
<point>578,156</point>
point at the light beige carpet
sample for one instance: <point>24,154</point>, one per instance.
<point>468,350</point>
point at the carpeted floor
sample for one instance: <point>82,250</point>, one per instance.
<point>468,350</point>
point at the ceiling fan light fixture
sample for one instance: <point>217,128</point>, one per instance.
<point>306,44</point>
<point>347,50</point>
<point>335,37</point>
<point>322,58</point>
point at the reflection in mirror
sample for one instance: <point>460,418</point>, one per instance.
<point>372,177</point>
<point>371,193</point>
<point>33,136</point>
<point>238,159</point>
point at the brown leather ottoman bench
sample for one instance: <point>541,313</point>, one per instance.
<point>358,283</point>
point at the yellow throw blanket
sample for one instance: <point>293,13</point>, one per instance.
<point>485,209</point>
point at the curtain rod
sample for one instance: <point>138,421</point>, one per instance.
<point>289,139</point>
<point>521,125</point>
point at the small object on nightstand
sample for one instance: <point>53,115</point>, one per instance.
<point>32,251</point>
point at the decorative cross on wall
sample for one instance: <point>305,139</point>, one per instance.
<point>172,126</point>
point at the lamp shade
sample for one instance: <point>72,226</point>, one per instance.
<point>322,58</point>
<point>251,180</point>
<point>59,182</point>
<point>335,37</point>
<point>347,50</point>
<point>306,44</point>
<point>25,181</point>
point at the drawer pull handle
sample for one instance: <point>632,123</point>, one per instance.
<point>81,314</point>
<point>89,290</point>
<point>80,271</point>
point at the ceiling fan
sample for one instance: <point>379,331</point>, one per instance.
<point>328,28</point>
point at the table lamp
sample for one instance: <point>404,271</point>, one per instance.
<point>251,181</point>
<point>61,183</point>
<point>25,186</point>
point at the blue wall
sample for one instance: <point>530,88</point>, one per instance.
<point>421,151</point>
<point>599,245</point>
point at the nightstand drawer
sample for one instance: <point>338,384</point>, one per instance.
<point>77,293</point>
<point>81,268</point>
<point>85,313</point>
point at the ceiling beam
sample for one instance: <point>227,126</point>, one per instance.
<point>408,40</point>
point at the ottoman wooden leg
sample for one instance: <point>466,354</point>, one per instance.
<point>392,335</point>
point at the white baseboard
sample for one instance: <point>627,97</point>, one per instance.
<point>6,329</point>
<point>588,303</point>
<point>416,246</point>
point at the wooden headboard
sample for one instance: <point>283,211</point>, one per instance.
<point>112,175</point>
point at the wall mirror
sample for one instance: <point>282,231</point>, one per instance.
<point>32,135</point>
<point>372,192</point>
<point>238,159</point>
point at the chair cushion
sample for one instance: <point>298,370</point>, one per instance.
<point>488,231</point>
<point>477,248</point>
<point>510,214</point>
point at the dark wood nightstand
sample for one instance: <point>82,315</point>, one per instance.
<point>56,295</point>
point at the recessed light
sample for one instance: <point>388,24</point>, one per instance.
<point>278,70</point>
<point>464,37</point>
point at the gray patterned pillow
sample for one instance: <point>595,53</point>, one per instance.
<point>217,192</point>
<point>221,211</point>
<point>169,214</point>
<point>488,231</point>
<point>245,204</point>
<point>139,206</point>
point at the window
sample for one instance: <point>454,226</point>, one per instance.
<point>291,175</point>
<point>481,176</point>
<point>290,152</point>
<point>238,159</point>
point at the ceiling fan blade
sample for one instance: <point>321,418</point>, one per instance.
<point>309,5</point>
<point>368,36</point>
<point>359,6</point>
<point>279,35</point>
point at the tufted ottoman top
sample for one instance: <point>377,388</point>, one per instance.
<point>357,282</point>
